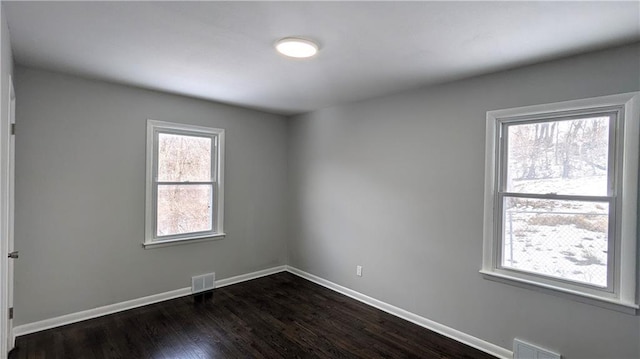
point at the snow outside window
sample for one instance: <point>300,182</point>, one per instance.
<point>560,198</point>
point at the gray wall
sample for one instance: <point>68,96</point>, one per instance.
<point>80,194</point>
<point>396,184</point>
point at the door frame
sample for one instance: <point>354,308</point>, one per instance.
<point>7,339</point>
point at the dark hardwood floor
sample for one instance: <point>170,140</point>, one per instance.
<point>279,316</point>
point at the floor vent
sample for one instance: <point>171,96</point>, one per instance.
<point>523,350</point>
<point>203,283</point>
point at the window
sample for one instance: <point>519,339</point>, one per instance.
<point>560,198</point>
<point>184,192</point>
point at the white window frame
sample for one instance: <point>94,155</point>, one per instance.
<point>154,128</point>
<point>620,293</point>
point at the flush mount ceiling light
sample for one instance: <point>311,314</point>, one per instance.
<point>296,47</point>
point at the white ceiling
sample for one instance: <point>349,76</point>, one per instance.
<point>223,51</point>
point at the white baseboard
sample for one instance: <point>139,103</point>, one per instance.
<point>250,276</point>
<point>457,335</point>
<point>130,304</point>
<point>98,312</point>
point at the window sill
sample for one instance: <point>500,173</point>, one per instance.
<point>592,299</point>
<point>179,241</point>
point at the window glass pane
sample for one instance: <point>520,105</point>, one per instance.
<point>563,157</point>
<point>183,158</point>
<point>562,239</point>
<point>184,209</point>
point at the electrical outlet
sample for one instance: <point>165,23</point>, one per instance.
<point>359,271</point>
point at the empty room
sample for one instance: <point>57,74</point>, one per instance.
<point>319,179</point>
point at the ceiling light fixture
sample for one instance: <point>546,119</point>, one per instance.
<point>296,47</point>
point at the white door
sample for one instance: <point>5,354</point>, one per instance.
<point>10,211</point>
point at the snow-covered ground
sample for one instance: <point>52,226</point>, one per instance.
<point>586,186</point>
<point>563,239</point>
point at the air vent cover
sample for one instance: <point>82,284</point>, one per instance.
<point>523,350</point>
<point>203,283</point>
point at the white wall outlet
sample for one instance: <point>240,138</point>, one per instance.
<point>523,350</point>
<point>203,283</point>
<point>359,271</point>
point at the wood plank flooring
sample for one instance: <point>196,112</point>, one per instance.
<point>279,316</point>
